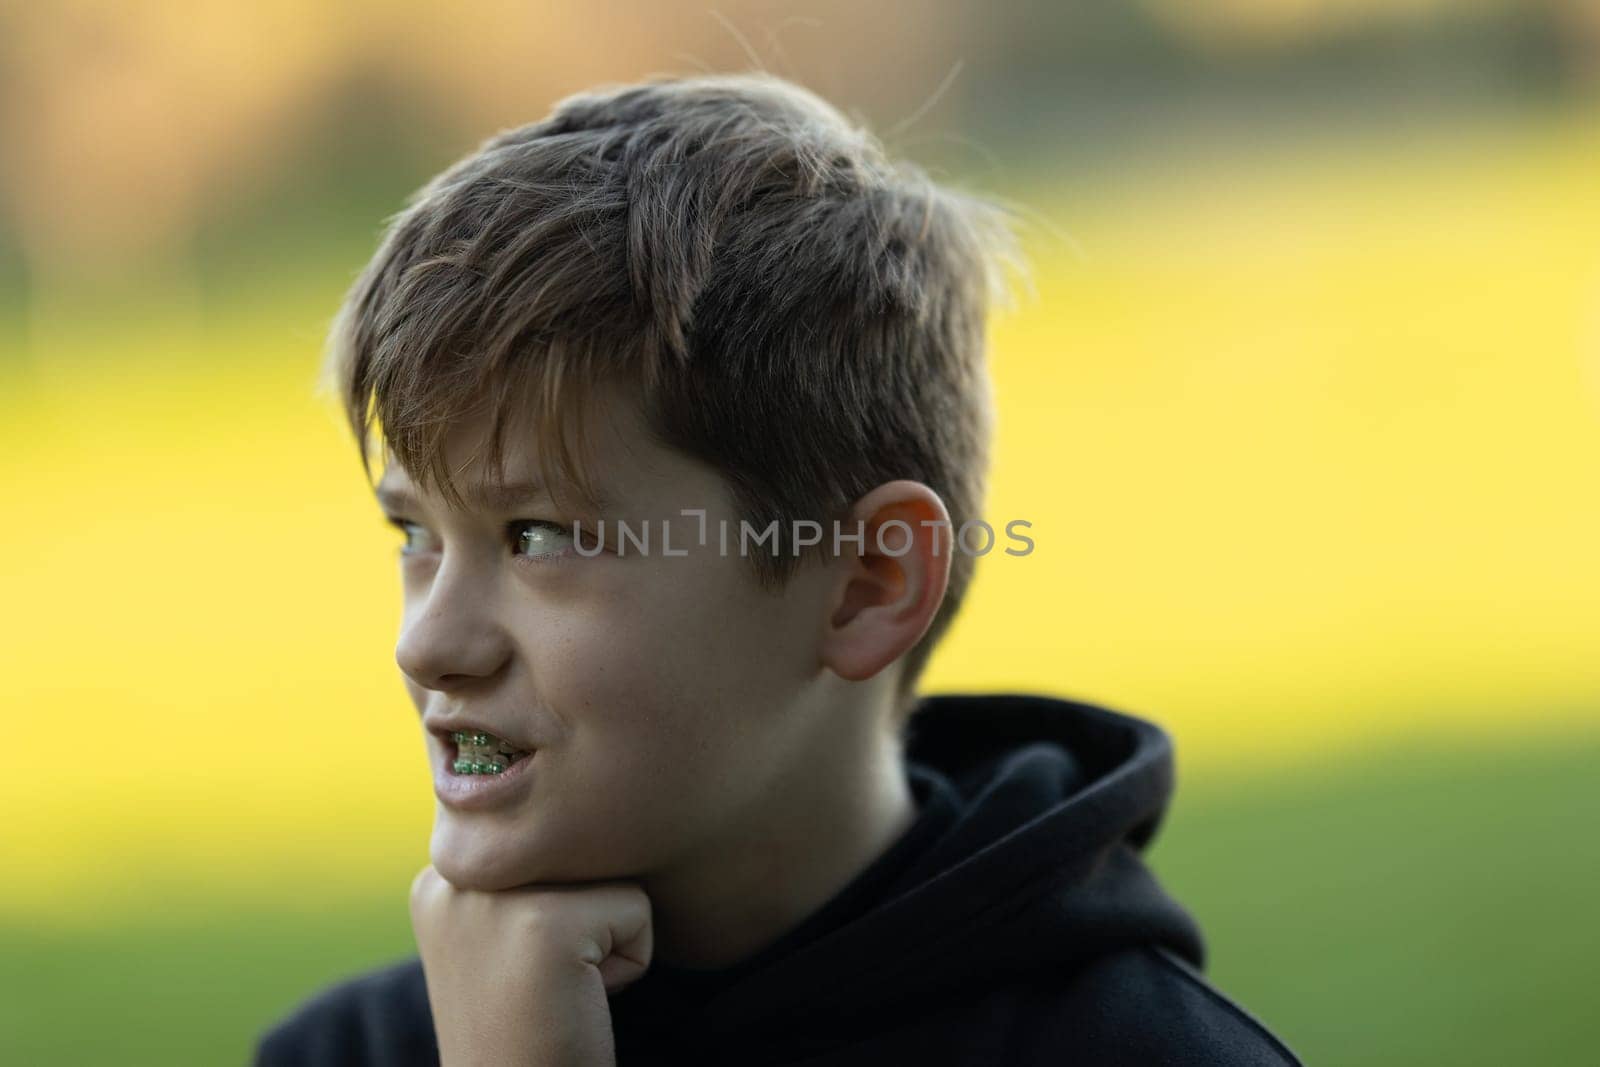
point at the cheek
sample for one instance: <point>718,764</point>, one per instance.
<point>678,628</point>
<point>666,676</point>
<point>647,663</point>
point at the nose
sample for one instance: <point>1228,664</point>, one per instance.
<point>451,636</point>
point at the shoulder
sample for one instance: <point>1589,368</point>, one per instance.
<point>380,1016</point>
<point>1143,1005</point>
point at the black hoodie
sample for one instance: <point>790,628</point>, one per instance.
<point>1013,923</point>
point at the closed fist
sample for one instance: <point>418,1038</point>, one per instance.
<point>520,976</point>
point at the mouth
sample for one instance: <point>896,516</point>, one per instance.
<point>480,752</point>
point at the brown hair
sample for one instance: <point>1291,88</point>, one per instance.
<point>790,306</point>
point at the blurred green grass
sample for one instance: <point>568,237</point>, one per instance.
<point>1416,903</point>
<point>1426,901</point>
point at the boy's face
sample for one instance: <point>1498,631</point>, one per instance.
<point>660,695</point>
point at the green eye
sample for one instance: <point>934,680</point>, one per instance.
<point>536,538</point>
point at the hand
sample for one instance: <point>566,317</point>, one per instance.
<point>520,976</point>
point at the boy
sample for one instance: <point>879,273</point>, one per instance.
<point>627,364</point>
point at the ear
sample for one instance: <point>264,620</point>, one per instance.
<point>889,589</point>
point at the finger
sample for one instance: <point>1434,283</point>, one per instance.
<point>618,972</point>
<point>631,936</point>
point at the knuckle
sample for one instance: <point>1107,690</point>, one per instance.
<point>547,921</point>
<point>423,886</point>
<point>633,900</point>
<point>539,914</point>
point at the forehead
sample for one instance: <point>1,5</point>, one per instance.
<point>617,452</point>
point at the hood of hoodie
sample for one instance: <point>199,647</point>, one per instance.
<point>1039,873</point>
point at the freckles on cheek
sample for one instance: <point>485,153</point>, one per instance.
<point>652,658</point>
<point>597,665</point>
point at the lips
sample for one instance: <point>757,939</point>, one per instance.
<point>501,781</point>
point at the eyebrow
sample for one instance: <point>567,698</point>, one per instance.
<point>498,497</point>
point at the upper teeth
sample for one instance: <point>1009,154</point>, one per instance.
<point>483,740</point>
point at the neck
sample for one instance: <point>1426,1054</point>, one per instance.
<point>766,875</point>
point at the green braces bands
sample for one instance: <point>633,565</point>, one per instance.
<point>481,762</point>
<point>466,766</point>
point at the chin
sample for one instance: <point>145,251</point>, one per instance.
<point>471,851</point>
<point>471,858</point>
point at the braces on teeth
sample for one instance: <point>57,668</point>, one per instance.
<point>492,756</point>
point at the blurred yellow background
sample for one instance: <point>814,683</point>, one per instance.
<point>1303,406</point>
